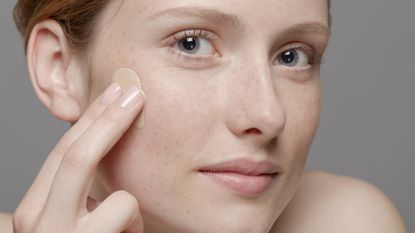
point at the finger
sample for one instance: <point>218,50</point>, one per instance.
<point>119,212</point>
<point>36,196</point>
<point>90,115</point>
<point>79,163</point>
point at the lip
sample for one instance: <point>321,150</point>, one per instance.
<point>243,176</point>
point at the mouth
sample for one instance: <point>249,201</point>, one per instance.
<point>243,177</point>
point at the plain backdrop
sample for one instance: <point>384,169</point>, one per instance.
<point>367,127</point>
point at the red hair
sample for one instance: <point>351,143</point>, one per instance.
<point>75,16</point>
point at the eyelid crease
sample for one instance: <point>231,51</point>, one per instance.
<point>312,55</point>
<point>308,50</point>
<point>205,34</point>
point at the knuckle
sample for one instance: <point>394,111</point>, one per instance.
<point>112,115</point>
<point>20,220</point>
<point>43,225</point>
<point>91,113</point>
<point>76,158</point>
<point>66,140</point>
<point>63,145</point>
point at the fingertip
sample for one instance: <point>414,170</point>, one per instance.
<point>136,225</point>
<point>130,98</point>
<point>112,92</point>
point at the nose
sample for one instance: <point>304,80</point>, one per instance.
<point>255,110</point>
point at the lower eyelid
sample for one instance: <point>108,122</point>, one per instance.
<point>296,69</point>
<point>300,74</point>
<point>190,56</point>
<point>171,43</point>
<point>191,59</point>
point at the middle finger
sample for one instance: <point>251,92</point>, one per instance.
<point>79,163</point>
<point>36,196</point>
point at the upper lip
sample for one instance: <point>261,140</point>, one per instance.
<point>244,167</point>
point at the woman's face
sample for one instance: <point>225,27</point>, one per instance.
<point>224,80</point>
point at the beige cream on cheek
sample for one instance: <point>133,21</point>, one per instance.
<point>126,78</point>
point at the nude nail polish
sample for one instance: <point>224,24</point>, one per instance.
<point>129,98</point>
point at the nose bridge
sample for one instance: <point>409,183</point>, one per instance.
<point>256,103</point>
<point>256,73</point>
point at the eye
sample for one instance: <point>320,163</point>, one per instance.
<point>297,56</point>
<point>195,46</point>
<point>293,58</point>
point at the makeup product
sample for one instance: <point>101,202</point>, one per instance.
<point>126,78</point>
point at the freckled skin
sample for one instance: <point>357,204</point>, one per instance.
<point>198,117</point>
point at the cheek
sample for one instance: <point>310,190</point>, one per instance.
<point>305,112</point>
<point>136,165</point>
<point>302,114</point>
<point>178,121</point>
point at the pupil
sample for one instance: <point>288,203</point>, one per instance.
<point>288,57</point>
<point>189,43</point>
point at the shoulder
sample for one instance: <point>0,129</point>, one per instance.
<point>6,223</point>
<point>325,202</point>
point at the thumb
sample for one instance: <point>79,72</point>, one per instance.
<point>137,226</point>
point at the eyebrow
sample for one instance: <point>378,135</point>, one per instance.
<point>215,16</point>
<point>232,21</point>
<point>309,27</point>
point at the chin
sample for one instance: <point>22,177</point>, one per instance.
<point>244,218</point>
<point>223,224</point>
<point>244,225</point>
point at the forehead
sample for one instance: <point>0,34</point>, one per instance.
<point>249,13</point>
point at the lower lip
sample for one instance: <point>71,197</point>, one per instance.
<point>242,184</point>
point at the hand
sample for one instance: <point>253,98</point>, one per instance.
<point>58,199</point>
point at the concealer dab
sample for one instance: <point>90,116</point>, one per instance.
<point>126,78</point>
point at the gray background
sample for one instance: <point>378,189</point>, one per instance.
<point>368,117</point>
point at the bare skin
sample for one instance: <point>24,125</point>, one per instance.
<point>243,91</point>
<point>333,212</point>
<point>6,223</point>
<point>327,203</point>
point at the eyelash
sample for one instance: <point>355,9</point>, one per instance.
<point>205,34</point>
<point>313,57</point>
<point>216,42</point>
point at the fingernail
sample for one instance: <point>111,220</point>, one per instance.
<point>140,122</point>
<point>111,94</point>
<point>129,98</point>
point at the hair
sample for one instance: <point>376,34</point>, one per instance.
<point>77,17</point>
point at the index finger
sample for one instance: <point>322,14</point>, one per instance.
<point>79,163</point>
<point>37,194</point>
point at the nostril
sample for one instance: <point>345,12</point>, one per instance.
<point>253,131</point>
